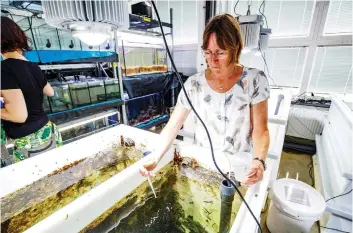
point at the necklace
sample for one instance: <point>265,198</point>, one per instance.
<point>219,86</point>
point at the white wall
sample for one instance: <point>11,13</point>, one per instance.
<point>186,23</point>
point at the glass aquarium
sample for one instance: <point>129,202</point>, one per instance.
<point>112,88</point>
<point>144,109</point>
<point>144,61</point>
<point>61,100</point>
<point>80,94</point>
<point>96,90</point>
<point>74,133</point>
<point>46,105</point>
<point>188,201</point>
<point>27,206</point>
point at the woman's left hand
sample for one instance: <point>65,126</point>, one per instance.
<point>255,174</point>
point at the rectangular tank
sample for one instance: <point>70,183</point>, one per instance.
<point>28,205</point>
<point>97,90</point>
<point>188,200</point>
<point>193,189</point>
<point>112,88</point>
<point>144,109</point>
<point>80,94</point>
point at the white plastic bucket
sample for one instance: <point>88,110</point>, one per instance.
<point>294,208</point>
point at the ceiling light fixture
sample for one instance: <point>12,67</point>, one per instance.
<point>91,21</point>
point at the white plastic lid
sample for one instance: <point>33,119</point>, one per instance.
<point>297,198</point>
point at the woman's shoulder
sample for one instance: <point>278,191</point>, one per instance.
<point>198,76</point>
<point>13,65</point>
<point>197,80</point>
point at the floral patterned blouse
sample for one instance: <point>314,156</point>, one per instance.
<point>226,115</point>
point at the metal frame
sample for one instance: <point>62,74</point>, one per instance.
<point>119,70</point>
<point>67,66</point>
<point>118,75</point>
<point>315,39</point>
<point>312,41</point>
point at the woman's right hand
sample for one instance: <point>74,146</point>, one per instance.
<point>150,164</point>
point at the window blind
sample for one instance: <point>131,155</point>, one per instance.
<point>332,70</point>
<point>285,65</point>
<point>339,18</point>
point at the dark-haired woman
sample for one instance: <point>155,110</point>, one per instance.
<point>22,88</point>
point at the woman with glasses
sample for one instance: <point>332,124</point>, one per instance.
<point>231,99</point>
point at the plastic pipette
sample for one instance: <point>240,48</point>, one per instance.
<point>150,182</point>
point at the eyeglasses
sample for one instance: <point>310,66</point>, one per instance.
<point>218,54</point>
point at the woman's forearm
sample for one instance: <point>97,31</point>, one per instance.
<point>168,135</point>
<point>261,142</point>
<point>171,130</point>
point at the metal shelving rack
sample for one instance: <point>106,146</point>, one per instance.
<point>140,23</point>
<point>88,114</point>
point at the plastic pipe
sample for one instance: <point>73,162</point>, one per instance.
<point>227,198</point>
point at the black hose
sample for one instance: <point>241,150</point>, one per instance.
<point>197,115</point>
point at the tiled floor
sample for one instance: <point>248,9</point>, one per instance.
<point>292,163</point>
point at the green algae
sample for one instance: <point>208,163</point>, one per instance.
<point>26,207</point>
<point>188,201</point>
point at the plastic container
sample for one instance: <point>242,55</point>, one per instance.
<point>294,208</point>
<point>241,164</point>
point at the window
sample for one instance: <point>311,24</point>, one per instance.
<point>332,70</point>
<point>285,65</point>
<point>285,18</point>
<point>339,18</point>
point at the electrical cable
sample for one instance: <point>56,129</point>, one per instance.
<point>34,40</point>
<point>263,11</point>
<point>328,228</point>
<point>248,11</point>
<point>268,70</point>
<point>311,166</point>
<point>235,6</point>
<point>197,115</point>
<point>339,195</point>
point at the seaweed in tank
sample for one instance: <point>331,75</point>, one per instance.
<point>27,206</point>
<point>188,201</point>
